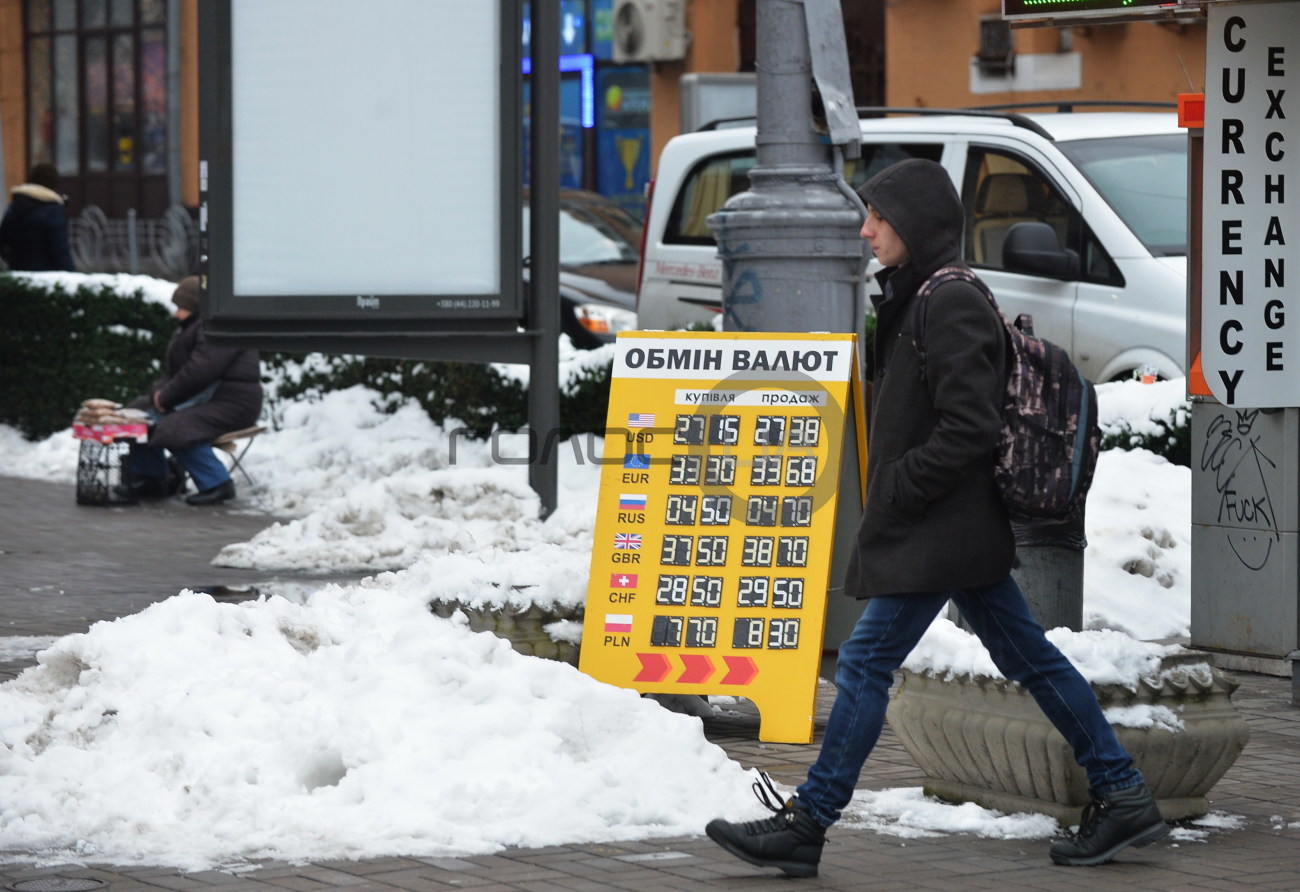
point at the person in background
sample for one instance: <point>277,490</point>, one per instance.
<point>205,391</point>
<point>34,231</point>
<point>935,529</point>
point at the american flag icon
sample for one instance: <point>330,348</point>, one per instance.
<point>629,541</point>
<point>640,419</point>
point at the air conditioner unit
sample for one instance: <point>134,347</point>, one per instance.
<point>649,30</point>
<point>997,52</point>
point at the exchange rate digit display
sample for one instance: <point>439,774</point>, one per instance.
<point>716,515</point>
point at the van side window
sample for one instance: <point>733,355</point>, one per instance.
<point>712,181</point>
<point>1001,189</point>
<point>877,156</point>
<point>1097,265</point>
<point>708,186</point>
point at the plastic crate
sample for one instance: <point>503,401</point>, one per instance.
<point>101,468</point>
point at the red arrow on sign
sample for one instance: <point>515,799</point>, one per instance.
<point>698,669</point>
<point>740,670</point>
<point>654,667</point>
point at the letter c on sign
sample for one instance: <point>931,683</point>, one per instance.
<point>1233,348</point>
<point>1234,45</point>
<point>1271,147</point>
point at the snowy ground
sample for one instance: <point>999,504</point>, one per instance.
<point>157,738</point>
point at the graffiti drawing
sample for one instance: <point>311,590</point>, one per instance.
<point>1233,454</point>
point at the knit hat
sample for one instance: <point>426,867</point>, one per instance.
<point>186,295</point>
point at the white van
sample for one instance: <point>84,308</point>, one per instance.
<point>1103,273</point>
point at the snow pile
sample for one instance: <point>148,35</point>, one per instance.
<point>351,722</point>
<point>196,733</point>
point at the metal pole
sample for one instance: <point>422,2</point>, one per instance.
<point>173,103</point>
<point>790,249</point>
<point>132,243</point>
<point>544,241</point>
<point>792,257</point>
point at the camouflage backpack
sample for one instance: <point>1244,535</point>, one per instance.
<point>1050,435</point>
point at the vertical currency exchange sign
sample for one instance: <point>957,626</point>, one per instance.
<point>1250,333</point>
<point>715,527</point>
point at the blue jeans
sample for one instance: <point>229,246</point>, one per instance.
<point>883,637</point>
<point>200,460</point>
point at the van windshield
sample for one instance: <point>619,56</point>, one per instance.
<point>1144,178</point>
<point>590,235</point>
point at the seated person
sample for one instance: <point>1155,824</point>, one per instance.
<point>205,391</point>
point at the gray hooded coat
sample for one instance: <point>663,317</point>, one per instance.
<point>934,519</point>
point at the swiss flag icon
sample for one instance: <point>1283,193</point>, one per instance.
<point>622,580</point>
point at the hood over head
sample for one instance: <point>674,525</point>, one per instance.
<point>916,197</point>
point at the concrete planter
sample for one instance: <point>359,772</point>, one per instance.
<point>522,626</point>
<point>984,740</point>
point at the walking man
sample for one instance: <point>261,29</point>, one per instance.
<point>935,530</point>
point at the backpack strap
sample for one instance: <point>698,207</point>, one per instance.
<point>921,303</point>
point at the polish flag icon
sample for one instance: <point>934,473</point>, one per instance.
<point>618,622</point>
<point>622,580</point>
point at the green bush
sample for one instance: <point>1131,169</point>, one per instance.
<point>59,348</point>
<point>479,397</point>
<point>1170,437</point>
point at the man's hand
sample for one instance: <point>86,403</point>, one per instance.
<point>157,405</point>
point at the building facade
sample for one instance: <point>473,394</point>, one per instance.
<point>104,90</point>
<point>955,54</point>
<point>107,91</point>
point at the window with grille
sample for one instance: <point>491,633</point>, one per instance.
<point>97,99</point>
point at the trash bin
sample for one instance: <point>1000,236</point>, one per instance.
<point>1049,568</point>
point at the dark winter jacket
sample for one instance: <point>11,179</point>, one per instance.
<point>934,519</point>
<point>191,366</point>
<point>34,231</point>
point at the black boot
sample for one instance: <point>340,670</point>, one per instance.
<point>175,477</point>
<point>791,839</point>
<point>142,487</point>
<point>214,496</point>
<point>1109,823</point>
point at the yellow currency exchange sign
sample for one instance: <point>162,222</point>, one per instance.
<point>715,526</point>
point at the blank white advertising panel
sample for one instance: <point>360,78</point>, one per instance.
<point>366,147</point>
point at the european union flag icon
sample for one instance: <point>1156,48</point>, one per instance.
<point>636,461</point>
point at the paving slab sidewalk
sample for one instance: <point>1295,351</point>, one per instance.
<point>64,567</point>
